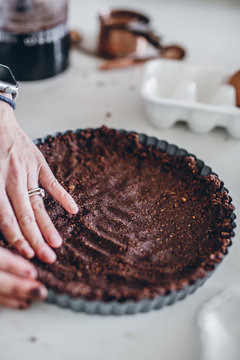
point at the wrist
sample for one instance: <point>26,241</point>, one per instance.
<point>8,100</point>
<point>7,117</point>
<point>7,95</point>
<point>8,87</point>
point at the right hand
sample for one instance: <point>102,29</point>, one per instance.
<point>24,222</point>
<point>18,284</point>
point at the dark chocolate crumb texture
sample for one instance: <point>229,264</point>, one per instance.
<point>148,222</point>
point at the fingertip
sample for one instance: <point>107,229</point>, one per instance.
<point>51,259</point>
<point>73,208</point>
<point>46,254</point>
<point>38,293</point>
<point>26,251</point>
<point>44,292</point>
<point>18,305</point>
<point>55,241</point>
<point>30,255</point>
<point>22,306</point>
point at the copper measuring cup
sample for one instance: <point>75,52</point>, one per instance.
<point>124,32</point>
<point>124,36</point>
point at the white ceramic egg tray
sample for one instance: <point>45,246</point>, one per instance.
<point>173,91</point>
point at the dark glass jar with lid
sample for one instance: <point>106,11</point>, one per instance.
<point>34,40</point>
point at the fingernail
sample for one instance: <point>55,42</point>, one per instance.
<point>56,240</point>
<point>23,306</point>
<point>47,254</point>
<point>19,304</point>
<point>38,293</point>
<point>43,292</point>
<point>73,207</point>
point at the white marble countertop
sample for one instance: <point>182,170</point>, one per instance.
<point>81,97</point>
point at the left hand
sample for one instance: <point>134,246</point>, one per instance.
<point>18,284</point>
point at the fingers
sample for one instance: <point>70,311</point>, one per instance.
<point>44,222</point>
<point>24,222</point>
<point>16,265</point>
<point>23,210</point>
<point>50,183</point>
<point>23,289</point>
<point>18,286</point>
<point>13,302</point>
<point>10,228</point>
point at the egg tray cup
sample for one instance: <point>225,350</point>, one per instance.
<point>174,91</point>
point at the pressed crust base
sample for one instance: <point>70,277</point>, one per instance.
<point>148,223</point>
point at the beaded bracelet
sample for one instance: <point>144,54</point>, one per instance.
<point>8,101</point>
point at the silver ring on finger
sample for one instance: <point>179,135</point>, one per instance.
<point>36,191</point>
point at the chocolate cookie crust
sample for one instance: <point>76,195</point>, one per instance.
<point>148,222</point>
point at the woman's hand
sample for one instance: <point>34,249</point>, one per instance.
<point>18,287</point>
<point>24,221</point>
